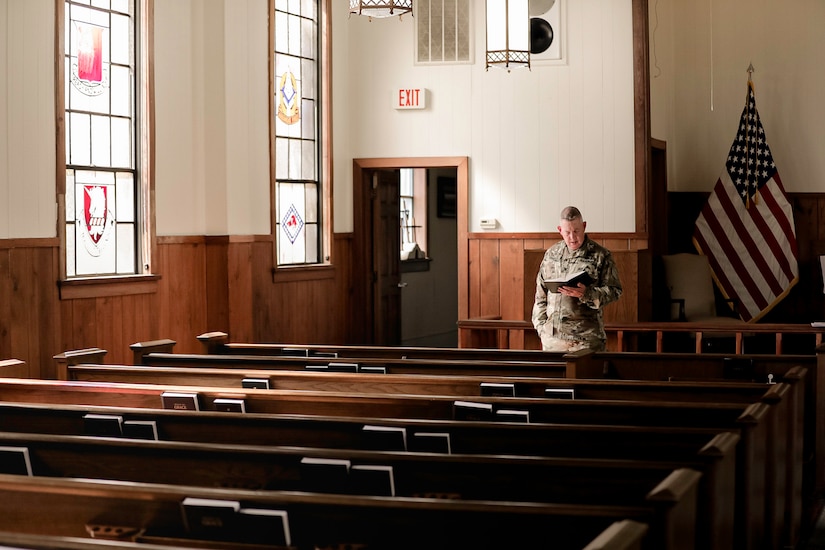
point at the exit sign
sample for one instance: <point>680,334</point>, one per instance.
<point>410,98</point>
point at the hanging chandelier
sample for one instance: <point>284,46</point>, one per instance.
<point>508,34</point>
<point>380,8</point>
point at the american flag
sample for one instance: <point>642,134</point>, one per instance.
<point>746,229</point>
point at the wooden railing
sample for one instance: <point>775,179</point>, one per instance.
<point>492,332</point>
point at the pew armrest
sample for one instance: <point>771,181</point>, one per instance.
<point>76,357</point>
<point>213,341</point>
<point>140,349</point>
<point>621,535</point>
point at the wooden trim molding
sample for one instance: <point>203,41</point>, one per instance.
<point>552,235</point>
<point>303,273</point>
<point>49,242</point>
<point>362,244</point>
<point>99,287</point>
<point>641,113</point>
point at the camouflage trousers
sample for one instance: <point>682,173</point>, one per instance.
<point>558,344</point>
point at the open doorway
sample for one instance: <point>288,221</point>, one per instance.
<point>415,301</point>
<point>429,262</point>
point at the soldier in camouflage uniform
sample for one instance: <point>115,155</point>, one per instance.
<point>571,319</point>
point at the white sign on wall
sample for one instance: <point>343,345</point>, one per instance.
<point>409,98</point>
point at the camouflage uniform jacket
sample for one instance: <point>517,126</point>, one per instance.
<point>563,317</point>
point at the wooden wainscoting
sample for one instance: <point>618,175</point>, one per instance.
<point>29,317</point>
<point>502,269</point>
<point>204,284</point>
<point>316,307</point>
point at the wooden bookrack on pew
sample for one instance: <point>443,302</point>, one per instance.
<point>494,332</point>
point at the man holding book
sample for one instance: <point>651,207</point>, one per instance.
<point>576,279</point>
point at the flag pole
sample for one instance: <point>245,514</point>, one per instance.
<point>749,198</point>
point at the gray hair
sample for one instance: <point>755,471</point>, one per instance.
<point>570,213</point>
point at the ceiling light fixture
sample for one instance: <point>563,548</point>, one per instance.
<point>380,8</point>
<point>508,34</point>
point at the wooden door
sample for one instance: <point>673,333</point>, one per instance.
<point>386,239</point>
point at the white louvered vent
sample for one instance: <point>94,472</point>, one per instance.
<point>443,31</point>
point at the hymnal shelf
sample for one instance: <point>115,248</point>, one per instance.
<point>572,279</point>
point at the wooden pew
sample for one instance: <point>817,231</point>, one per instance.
<point>751,473</point>
<point>556,368</point>
<point>375,405</point>
<point>585,364</point>
<point>633,365</point>
<point>783,464</point>
<point>153,513</point>
<point>808,396</point>
<point>620,535</point>
<point>614,441</point>
<point>625,365</point>
<point>607,365</point>
<point>13,368</point>
<point>505,478</point>
<point>20,541</point>
<point>707,450</point>
<point>218,343</point>
<point>599,365</point>
<point>423,384</point>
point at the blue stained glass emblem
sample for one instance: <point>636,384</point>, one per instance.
<point>292,223</point>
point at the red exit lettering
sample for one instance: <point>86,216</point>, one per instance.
<point>410,98</point>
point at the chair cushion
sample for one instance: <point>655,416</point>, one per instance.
<point>688,277</point>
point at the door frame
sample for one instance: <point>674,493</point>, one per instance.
<point>362,170</point>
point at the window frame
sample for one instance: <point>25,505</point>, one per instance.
<point>324,268</point>
<point>419,197</point>
<point>143,280</point>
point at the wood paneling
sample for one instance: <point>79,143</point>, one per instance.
<point>635,274</point>
<point>512,278</point>
<point>206,283</point>
<point>182,295</point>
<point>489,278</point>
<point>320,309</point>
<point>226,283</point>
<point>28,302</point>
<point>217,273</point>
<point>502,273</point>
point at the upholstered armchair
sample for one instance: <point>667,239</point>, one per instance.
<point>690,285</point>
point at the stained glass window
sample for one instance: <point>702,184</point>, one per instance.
<point>296,100</point>
<point>102,185</point>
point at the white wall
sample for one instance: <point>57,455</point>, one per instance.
<point>211,109</point>
<point>537,140</point>
<point>27,122</point>
<point>704,49</point>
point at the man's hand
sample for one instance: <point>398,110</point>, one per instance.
<point>573,291</point>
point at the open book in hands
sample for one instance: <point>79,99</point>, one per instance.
<point>573,279</point>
